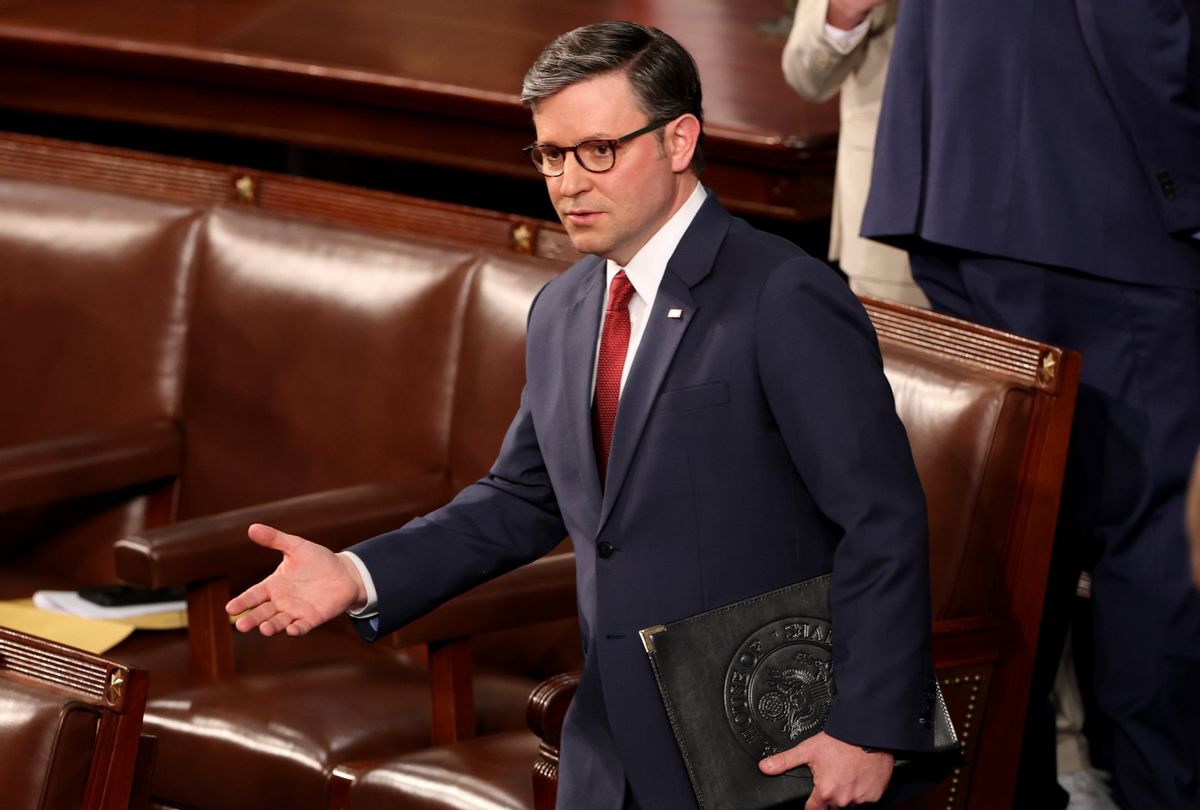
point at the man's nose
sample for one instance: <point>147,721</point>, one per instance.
<point>574,179</point>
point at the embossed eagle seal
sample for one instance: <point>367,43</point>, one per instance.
<point>779,685</point>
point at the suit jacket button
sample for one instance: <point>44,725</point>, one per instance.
<point>605,549</point>
<point>1167,183</point>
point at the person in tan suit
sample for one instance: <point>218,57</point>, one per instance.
<point>846,44</point>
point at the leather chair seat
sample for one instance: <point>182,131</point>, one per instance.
<point>281,733</point>
<point>485,773</point>
<point>165,653</point>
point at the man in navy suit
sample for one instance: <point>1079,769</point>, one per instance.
<point>1041,163</point>
<point>755,444</point>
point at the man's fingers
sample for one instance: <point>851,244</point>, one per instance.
<point>256,598</point>
<point>248,599</point>
<point>274,624</point>
<point>270,537</point>
<point>784,760</point>
<point>253,618</point>
<point>262,613</point>
<point>816,802</point>
<point>267,617</point>
<point>245,624</point>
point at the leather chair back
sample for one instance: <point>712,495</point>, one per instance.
<point>967,428</point>
<point>988,416</point>
<point>71,726</point>
<point>491,360</point>
<point>491,367</point>
<point>318,357</point>
<point>94,288</point>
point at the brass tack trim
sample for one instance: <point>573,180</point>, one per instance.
<point>116,685</point>
<point>1047,368</point>
<point>246,188</point>
<point>522,239</point>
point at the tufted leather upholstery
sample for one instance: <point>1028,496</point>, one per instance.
<point>330,378</point>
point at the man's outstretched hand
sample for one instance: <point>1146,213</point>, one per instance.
<point>844,775</point>
<point>310,586</point>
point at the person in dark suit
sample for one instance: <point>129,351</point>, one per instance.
<point>1041,164</point>
<point>705,414</point>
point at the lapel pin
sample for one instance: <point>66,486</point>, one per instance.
<point>674,313</point>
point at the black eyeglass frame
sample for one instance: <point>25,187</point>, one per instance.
<point>613,143</point>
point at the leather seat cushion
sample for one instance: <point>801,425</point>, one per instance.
<point>486,773</point>
<point>273,739</point>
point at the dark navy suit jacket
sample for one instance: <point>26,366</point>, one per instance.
<point>1058,133</point>
<point>756,445</point>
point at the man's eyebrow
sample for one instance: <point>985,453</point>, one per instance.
<point>593,137</point>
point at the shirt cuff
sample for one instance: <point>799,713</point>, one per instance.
<point>845,41</point>
<point>371,608</point>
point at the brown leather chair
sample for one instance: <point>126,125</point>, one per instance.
<point>485,772</point>
<point>351,358</point>
<point>72,725</point>
<point>93,291</point>
<point>988,416</point>
<point>319,359</point>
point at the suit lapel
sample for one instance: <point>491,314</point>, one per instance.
<point>578,357</point>
<point>691,262</point>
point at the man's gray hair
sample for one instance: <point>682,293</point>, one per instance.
<point>663,75</point>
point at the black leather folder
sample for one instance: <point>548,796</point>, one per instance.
<point>750,679</point>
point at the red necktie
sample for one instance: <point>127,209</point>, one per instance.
<point>614,344</point>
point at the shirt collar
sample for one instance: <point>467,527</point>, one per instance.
<point>645,270</point>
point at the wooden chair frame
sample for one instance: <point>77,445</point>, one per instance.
<point>116,692</point>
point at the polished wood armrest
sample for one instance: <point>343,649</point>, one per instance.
<point>45,472</point>
<point>548,705</point>
<point>206,554</point>
<point>203,548</point>
<point>545,714</point>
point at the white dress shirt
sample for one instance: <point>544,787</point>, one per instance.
<point>645,271</point>
<point>844,41</point>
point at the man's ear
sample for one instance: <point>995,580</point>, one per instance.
<point>679,141</point>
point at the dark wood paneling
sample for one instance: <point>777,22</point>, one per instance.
<point>425,83</point>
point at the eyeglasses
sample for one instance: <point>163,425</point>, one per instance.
<point>595,156</point>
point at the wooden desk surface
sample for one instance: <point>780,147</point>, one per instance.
<point>420,80</point>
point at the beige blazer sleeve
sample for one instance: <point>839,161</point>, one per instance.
<point>811,65</point>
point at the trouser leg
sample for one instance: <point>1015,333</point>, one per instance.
<point>1136,431</point>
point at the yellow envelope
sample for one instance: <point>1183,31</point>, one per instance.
<point>93,635</point>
